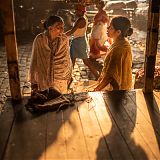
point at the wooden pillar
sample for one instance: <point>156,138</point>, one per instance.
<point>11,48</point>
<point>151,44</point>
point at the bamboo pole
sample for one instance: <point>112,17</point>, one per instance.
<point>151,44</point>
<point>11,48</point>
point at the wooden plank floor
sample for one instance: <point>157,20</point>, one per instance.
<point>119,125</point>
<point>6,123</point>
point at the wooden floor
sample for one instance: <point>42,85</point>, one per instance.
<point>112,125</point>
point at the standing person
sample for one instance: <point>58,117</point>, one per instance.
<point>117,69</point>
<point>99,32</point>
<point>79,45</point>
<point>50,63</point>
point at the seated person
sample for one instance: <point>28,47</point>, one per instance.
<point>51,65</point>
<point>117,70</point>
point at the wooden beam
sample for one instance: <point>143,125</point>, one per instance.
<point>11,48</point>
<point>151,44</point>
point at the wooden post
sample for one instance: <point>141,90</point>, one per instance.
<point>11,48</point>
<point>151,44</point>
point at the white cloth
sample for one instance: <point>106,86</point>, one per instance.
<point>99,32</point>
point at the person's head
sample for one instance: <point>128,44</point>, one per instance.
<point>120,27</point>
<point>100,5</point>
<point>54,25</point>
<point>80,9</point>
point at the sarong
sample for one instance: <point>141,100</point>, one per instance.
<point>79,48</point>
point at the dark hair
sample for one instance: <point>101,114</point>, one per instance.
<point>80,7</point>
<point>123,24</point>
<point>101,3</point>
<point>51,20</point>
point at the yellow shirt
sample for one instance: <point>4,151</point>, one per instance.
<point>118,64</point>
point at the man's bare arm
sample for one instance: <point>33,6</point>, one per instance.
<point>80,23</point>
